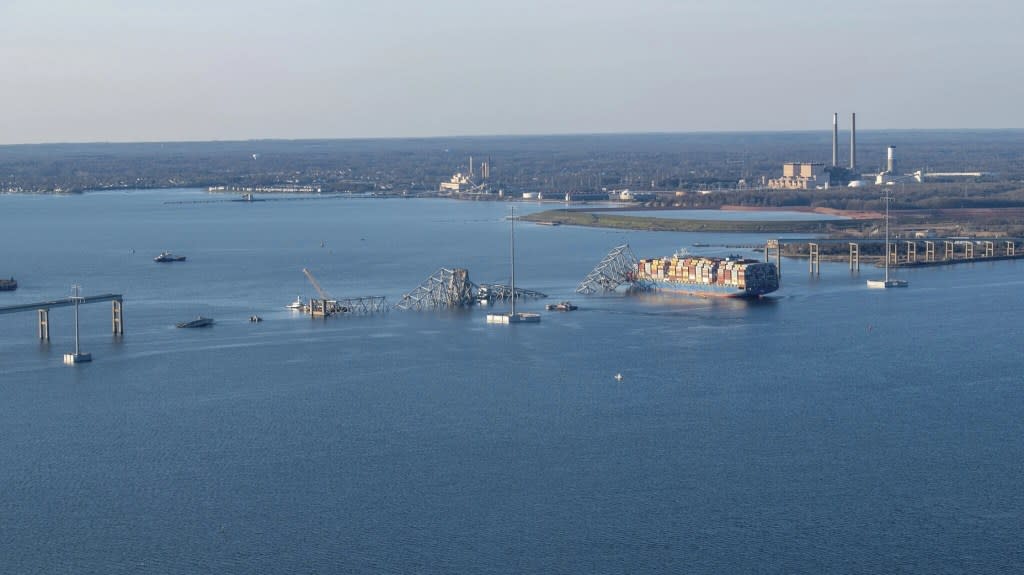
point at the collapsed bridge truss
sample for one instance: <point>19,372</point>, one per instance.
<point>615,269</point>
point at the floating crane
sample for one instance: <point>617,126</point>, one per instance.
<point>327,305</point>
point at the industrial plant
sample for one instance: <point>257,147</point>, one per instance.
<point>816,175</point>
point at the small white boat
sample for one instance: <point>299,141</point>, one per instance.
<point>297,304</point>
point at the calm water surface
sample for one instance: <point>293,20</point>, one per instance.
<point>827,429</point>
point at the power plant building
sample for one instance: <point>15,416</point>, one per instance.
<point>801,176</point>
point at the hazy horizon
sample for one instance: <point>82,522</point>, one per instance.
<point>122,72</point>
<point>823,132</point>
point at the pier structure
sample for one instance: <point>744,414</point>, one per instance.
<point>43,310</point>
<point>973,249</point>
<point>929,251</point>
<point>769,247</point>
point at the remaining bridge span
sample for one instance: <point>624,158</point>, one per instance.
<point>44,307</point>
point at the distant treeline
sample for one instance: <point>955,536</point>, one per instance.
<point>707,161</point>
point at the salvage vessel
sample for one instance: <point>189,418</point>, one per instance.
<point>731,276</point>
<point>198,322</point>
<point>165,257</point>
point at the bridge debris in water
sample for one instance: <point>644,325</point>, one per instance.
<point>614,270</point>
<point>451,288</point>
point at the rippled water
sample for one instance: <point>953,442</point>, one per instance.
<point>830,428</point>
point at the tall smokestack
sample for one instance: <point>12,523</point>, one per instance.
<point>471,166</point>
<point>835,139</point>
<point>891,164</point>
<point>853,141</point>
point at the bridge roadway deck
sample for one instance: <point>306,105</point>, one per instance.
<point>895,240</point>
<point>63,302</point>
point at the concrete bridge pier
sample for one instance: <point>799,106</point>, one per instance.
<point>911,252</point>
<point>774,245</point>
<point>949,255</point>
<point>1009,248</point>
<point>929,251</point>
<point>854,257</point>
<point>117,317</point>
<point>813,259</point>
<point>44,324</point>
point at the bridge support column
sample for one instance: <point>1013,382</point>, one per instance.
<point>894,254</point>
<point>1009,248</point>
<point>990,249</point>
<point>929,251</point>
<point>117,317</point>
<point>774,245</point>
<point>949,255</point>
<point>813,261</point>
<point>854,256</point>
<point>911,252</point>
<point>44,324</point>
<point>969,250</point>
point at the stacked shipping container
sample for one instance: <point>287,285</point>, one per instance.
<point>735,277</point>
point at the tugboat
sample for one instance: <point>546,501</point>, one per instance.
<point>8,285</point>
<point>168,257</point>
<point>560,306</point>
<point>198,322</point>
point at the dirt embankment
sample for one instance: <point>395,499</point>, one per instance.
<point>851,214</point>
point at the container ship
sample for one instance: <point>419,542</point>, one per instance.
<point>708,276</point>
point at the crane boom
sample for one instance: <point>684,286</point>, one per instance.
<point>316,284</point>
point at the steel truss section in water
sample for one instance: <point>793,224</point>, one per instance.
<point>364,305</point>
<point>499,292</point>
<point>445,288</point>
<point>615,269</point>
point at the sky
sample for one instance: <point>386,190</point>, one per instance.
<point>197,70</point>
